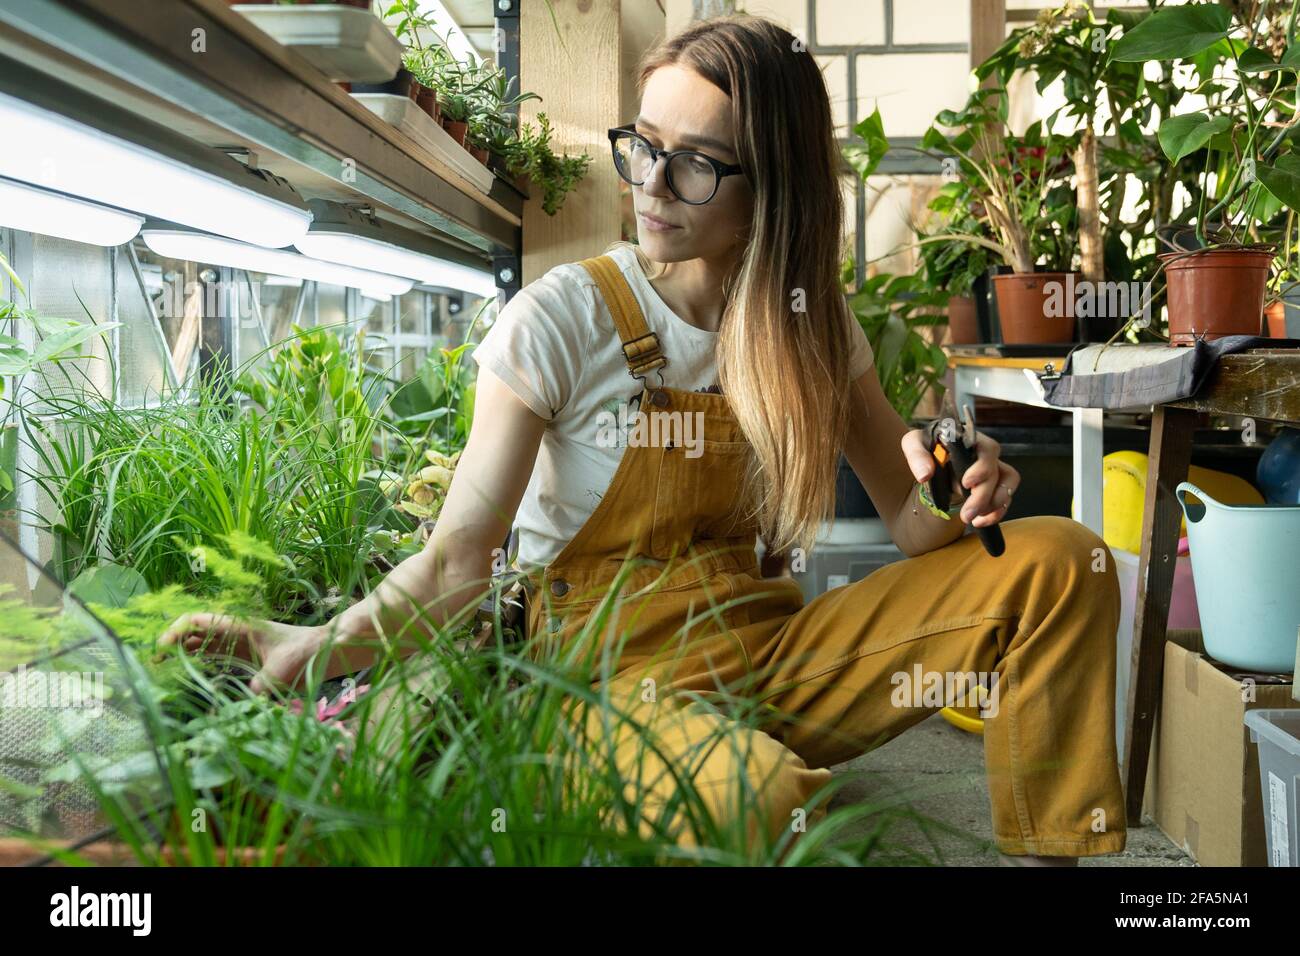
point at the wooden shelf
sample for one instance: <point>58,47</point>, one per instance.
<point>205,71</point>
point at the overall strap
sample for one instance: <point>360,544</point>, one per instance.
<point>640,345</point>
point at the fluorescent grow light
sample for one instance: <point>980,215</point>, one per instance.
<point>386,257</point>
<point>348,236</point>
<point>214,250</point>
<point>53,214</point>
<point>45,149</point>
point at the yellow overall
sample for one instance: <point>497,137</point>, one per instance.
<point>843,673</point>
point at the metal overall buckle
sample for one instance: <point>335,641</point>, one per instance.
<point>658,397</point>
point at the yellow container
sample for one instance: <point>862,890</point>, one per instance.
<point>1124,489</point>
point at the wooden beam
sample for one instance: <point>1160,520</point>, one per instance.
<point>988,29</point>
<point>1168,459</point>
<point>582,74</point>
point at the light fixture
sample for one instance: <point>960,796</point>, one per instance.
<point>53,214</point>
<point>347,235</point>
<point>195,186</point>
<point>175,243</point>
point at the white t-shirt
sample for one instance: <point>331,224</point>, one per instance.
<point>556,346</point>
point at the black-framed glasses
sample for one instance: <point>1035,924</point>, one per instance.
<point>692,177</point>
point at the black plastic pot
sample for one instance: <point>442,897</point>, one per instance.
<point>851,499</point>
<point>399,85</point>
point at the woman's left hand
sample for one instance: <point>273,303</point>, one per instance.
<point>989,484</point>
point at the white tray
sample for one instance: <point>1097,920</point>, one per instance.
<point>347,44</point>
<point>406,115</point>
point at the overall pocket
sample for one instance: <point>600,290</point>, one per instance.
<point>699,495</point>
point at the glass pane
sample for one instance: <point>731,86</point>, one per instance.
<point>173,287</point>
<point>411,313</point>
<point>278,296</point>
<point>331,306</point>
<point>140,354</point>
<point>410,363</point>
<point>375,317</point>
<point>72,280</point>
<point>251,342</point>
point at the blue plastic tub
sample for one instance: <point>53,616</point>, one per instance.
<point>1244,562</point>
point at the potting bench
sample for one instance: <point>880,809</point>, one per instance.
<point>1016,380</point>
<point>1258,383</point>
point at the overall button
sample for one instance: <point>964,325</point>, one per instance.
<point>559,587</point>
<point>660,399</point>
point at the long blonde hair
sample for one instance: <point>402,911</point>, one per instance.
<point>784,342</point>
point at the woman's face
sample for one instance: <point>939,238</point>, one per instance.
<point>682,110</point>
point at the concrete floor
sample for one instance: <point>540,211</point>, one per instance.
<point>933,801</point>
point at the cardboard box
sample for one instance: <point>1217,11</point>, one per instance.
<point>1203,781</point>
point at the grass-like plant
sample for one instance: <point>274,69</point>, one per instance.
<point>140,488</point>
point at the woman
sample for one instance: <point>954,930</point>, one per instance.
<point>668,414</point>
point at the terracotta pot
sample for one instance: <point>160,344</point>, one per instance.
<point>427,100</point>
<point>456,128</point>
<point>963,324</point>
<point>1215,292</point>
<point>242,856</point>
<point>478,152</point>
<point>1035,308</point>
<point>1275,319</point>
<point>16,852</point>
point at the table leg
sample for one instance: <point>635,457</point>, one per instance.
<point>1088,450</point>
<point>1169,456</point>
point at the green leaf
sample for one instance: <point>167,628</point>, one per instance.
<point>1174,33</point>
<point>58,345</point>
<point>1255,60</point>
<point>108,584</point>
<point>865,159</point>
<point>1182,135</point>
<point>1282,180</point>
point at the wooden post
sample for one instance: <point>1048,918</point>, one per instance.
<point>1169,455</point>
<point>988,29</point>
<point>583,74</point>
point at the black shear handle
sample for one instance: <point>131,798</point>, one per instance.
<point>990,536</point>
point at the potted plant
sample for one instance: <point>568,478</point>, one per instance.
<point>1110,105</point>
<point>1217,273</point>
<point>492,119</point>
<point>892,309</point>
<point>952,268</point>
<point>1020,192</point>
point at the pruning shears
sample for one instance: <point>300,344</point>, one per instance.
<point>953,446</point>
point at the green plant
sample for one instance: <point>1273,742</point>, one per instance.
<point>142,487</point>
<point>1019,185</point>
<point>472,752</point>
<point>533,157</point>
<point>59,340</point>
<point>1251,170</point>
<point>953,267</point>
<point>481,96</point>
<point>891,310</point>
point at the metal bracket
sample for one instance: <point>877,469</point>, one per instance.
<point>505,269</point>
<point>506,23</point>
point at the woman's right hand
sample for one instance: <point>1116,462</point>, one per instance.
<point>280,651</point>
